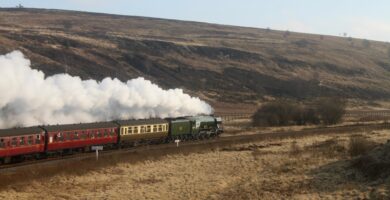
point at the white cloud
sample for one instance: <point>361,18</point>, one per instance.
<point>91,3</point>
<point>294,25</point>
<point>369,28</point>
<point>29,98</point>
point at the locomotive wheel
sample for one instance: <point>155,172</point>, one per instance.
<point>196,137</point>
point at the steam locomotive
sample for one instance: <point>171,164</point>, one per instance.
<point>19,144</point>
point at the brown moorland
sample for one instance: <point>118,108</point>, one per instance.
<point>215,62</point>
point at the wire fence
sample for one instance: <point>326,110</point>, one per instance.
<point>234,116</point>
<point>365,115</point>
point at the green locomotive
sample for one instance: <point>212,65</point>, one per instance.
<point>132,132</point>
<point>197,127</point>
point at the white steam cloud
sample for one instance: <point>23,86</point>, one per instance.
<point>27,98</point>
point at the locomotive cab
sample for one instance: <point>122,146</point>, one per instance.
<point>218,121</point>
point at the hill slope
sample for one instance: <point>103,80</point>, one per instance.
<point>217,62</point>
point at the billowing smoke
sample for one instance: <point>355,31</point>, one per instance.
<point>27,98</point>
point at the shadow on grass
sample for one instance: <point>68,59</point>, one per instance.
<point>368,173</point>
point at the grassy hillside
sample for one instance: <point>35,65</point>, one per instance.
<point>216,62</point>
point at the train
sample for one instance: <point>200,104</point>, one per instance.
<point>18,144</point>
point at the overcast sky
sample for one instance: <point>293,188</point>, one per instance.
<point>357,18</point>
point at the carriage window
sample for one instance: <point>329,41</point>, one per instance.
<point>92,135</point>
<point>76,136</point>
<point>38,139</point>
<point>142,129</point>
<point>21,141</point>
<point>130,130</point>
<point>30,140</point>
<point>69,136</point>
<point>105,133</point>
<point>148,129</point>
<point>2,143</point>
<point>99,134</point>
<point>112,132</point>
<point>135,129</point>
<point>159,128</point>
<point>13,142</point>
<point>60,137</point>
<point>154,128</point>
<point>83,135</point>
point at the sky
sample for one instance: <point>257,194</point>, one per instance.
<point>356,18</point>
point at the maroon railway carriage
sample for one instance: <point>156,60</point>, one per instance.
<point>21,142</point>
<point>80,136</point>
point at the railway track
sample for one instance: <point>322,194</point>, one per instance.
<point>198,145</point>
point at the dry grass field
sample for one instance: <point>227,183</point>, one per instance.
<point>315,167</point>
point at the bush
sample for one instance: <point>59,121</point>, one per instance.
<point>359,145</point>
<point>310,116</point>
<point>284,113</point>
<point>331,110</point>
<point>371,167</point>
<point>274,114</point>
<point>375,164</point>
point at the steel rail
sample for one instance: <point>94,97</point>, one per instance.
<point>215,142</point>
